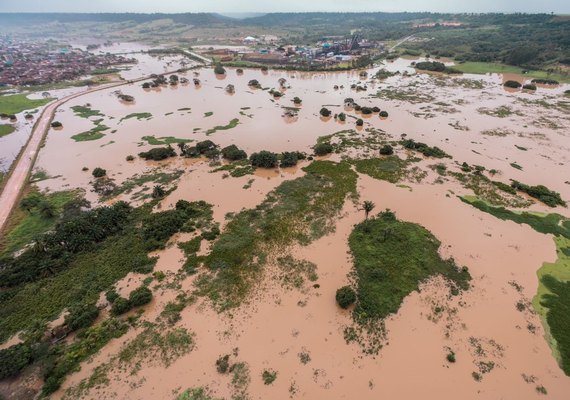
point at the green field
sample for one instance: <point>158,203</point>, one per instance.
<point>6,130</point>
<point>484,68</point>
<point>19,102</point>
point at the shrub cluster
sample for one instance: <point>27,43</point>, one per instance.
<point>540,192</point>
<point>424,149</point>
<point>158,153</point>
<point>264,159</point>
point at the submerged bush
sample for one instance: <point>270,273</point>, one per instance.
<point>512,84</point>
<point>81,316</point>
<point>325,112</point>
<point>322,149</point>
<point>233,153</point>
<point>158,153</point>
<point>345,297</point>
<point>140,296</point>
<point>386,150</point>
<point>99,172</point>
<point>264,159</point>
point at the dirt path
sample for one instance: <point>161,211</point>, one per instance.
<point>23,165</point>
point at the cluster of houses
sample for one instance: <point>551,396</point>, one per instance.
<point>38,63</point>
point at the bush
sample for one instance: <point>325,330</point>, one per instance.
<point>359,122</point>
<point>140,296</point>
<point>223,364</point>
<point>130,157</point>
<point>254,83</point>
<point>81,316</point>
<point>120,306</point>
<point>269,376</point>
<point>111,295</point>
<point>264,159</point>
<point>297,100</point>
<point>233,153</point>
<point>99,172</point>
<point>345,297</point>
<point>289,159</point>
<point>451,357</point>
<point>387,150</point>
<point>219,70</point>
<point>205,145</point>
<point>323,149</point>
<point>545,81</point>
<point>424,149</point>
<point>158,153</point>
<point>366,110</point>
<point>540,192</point>
<point>383,114</point>
<point>512,84</point>
<point>529,86</point>
<point>325,112</point>
<point>342,117</point>
<point>13,359</point>
<point>56,124</point>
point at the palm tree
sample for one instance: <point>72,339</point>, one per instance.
<point>368,206</point>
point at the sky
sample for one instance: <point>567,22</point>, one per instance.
<point>261,6</point>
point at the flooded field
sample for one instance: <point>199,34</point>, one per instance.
<point>300,333</point>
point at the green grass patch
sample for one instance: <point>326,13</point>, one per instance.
<point>31,224</point>
<point>86,112</point>
<point>6,130</point>
<point>390,168</point>
<point>297,211</point>
<point>93,134</point>
<point>237,169</point>
<point>555,224</point>
<point>17,103</point>
<point>552,302</point>
<point>138,116</point>
<point>158,141</point>
<point>391,259</point>
<point>232,124</point>
<point>208,114</point>
<point>156,177</point>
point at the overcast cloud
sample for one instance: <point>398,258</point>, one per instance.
<point>221,6</point>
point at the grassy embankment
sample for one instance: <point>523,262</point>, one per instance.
<point>484,68</point>
<point>17,103</point>
<point>297,211</point>
<point>552,301</point>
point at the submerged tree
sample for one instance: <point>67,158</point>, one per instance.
<point>368,206</point>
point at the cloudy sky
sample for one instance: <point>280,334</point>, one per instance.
<point>240,6</point>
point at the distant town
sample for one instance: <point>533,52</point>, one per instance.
<point>24,63</point>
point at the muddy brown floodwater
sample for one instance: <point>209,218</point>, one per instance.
<point>482,326</point>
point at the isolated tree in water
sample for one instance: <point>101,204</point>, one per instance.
<point>158,192</point>
<point>368,206</point>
